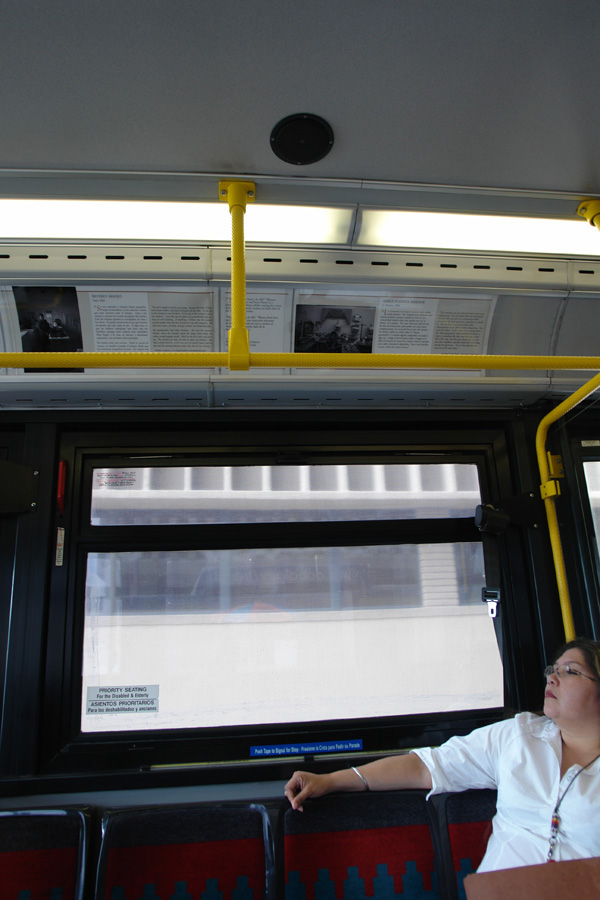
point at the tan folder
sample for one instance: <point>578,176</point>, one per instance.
<point>577,879</point>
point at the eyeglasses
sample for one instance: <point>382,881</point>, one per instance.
<point>563,670</point>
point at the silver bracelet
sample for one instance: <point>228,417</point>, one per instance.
<point>362,778</point>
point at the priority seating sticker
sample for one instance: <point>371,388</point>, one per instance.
<point>141,698</point>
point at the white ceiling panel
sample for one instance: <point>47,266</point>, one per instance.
<point>490,94</point>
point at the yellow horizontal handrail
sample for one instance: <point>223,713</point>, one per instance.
<point>204,360</point>
<point>110,360</point>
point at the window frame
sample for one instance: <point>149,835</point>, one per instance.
<point>576,522</point>
<point>66,749</point>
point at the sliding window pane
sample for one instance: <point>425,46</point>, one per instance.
<point>242,637</point>
<point>196,495</point>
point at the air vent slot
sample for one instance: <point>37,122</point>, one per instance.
<point>63,261</point>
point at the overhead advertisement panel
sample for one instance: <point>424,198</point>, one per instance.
<point>280,320</point>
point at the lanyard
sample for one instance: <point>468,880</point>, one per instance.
<point>555,825</point>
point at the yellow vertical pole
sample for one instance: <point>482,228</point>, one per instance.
<point>237,194</point>
<point>550,490</point>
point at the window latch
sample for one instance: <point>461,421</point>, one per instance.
<point>491,596</point>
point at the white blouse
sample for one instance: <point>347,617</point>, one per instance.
<point>521,758</point>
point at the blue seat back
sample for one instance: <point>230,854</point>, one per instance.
<point>189,851</point>
<point>464,826</point>
<point>43,854</point>
<point>358,846</point>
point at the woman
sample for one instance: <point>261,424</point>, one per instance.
<point>546,769</point>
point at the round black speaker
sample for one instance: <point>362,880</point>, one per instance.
<point>302,139</point>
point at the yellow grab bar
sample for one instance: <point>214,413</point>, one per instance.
<point>237,194</point>
<point>549,497</point>
<point>204,360</point>
<point>105,360</point>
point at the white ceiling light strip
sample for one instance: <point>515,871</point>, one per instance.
<point>147,220</point>
<point>166,221</point>
<point>496,234</point>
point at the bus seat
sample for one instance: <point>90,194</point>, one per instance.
<point>43,853</point>
<point>163,852</point>
<point>359,846</point>
<point>464,822</point>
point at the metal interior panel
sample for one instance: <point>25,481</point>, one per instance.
<point>298,391</point>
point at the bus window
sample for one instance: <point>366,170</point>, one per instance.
<point>304,631</point>
<point>191,495</point>
<point>592,477</point>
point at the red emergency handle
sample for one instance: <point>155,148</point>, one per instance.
<point>60,489</point>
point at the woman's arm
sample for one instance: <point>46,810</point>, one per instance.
<point>389,774</point>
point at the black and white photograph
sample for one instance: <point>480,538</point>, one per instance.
<point>48,319</point>
<point>334,329</point>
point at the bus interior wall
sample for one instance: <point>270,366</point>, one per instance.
<point>359,484</point>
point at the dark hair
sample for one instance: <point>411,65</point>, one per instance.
<point>590,650</point>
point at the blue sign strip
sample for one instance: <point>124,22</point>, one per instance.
<point>301,748</point>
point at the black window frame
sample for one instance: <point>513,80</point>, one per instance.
<point>63,750</point>
<point>576,523</point>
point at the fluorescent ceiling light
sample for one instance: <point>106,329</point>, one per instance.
<point>165,221</point>
<point>298,224</point>
<point>450,231</point>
